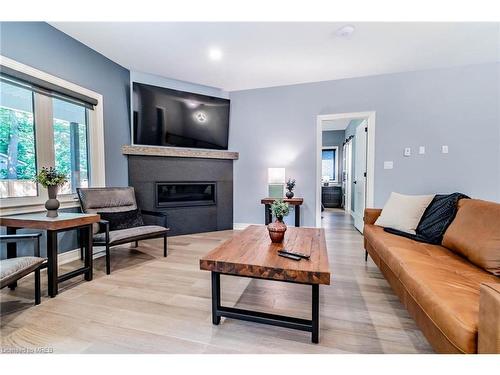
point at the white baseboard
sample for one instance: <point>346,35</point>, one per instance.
<point>241,226</point>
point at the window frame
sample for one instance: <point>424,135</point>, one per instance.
<point>44,135</point>
<point>336,163</point>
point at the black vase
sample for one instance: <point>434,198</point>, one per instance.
<point>52,204</point>
<point>289,194</point>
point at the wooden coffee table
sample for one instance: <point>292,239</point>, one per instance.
<point>251,253</point>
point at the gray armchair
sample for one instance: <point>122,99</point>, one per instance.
<point>13,269</point>
<point>117,202</point>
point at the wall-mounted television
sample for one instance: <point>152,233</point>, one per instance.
<point>166,117</point>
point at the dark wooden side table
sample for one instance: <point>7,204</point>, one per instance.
<point>64,222</point>
<point>296,202</point>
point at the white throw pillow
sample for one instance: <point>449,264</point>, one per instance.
<point>403,212</point>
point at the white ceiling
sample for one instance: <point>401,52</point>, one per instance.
<point>340,124</point>
<point>273,54</point>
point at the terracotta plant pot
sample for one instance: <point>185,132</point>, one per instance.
<point>277,231</point>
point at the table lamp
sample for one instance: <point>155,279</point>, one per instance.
<point>276,182</point>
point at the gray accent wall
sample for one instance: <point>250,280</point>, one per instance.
<point>43,47</point>
<point>458,107</point>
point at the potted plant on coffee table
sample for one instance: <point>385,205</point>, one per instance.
<point>277,229</point>
<point>51,179</point>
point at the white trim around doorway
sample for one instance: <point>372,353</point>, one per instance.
<point>370,155</point>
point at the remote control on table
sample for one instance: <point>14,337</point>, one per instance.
<point>304,256</point>
<point>289,256</point>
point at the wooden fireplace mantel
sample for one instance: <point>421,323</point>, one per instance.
<point>178,152</point>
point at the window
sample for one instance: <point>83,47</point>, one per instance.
<point>70,144</point>
<point>46,122</point>
<point>17,142</point>
<point>329,164</point>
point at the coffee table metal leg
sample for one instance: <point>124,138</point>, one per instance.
<point>315,313</point>
<point>215,297</point>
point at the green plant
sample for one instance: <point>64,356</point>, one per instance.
<point>290,184</point>
<point>50,177</point>
<point>280,209</point>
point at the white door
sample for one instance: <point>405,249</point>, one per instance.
<point>344,175</point>
<point>359,176</point>
<point>348,176</point>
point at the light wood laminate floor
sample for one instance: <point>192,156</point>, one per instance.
<point>151,304</point>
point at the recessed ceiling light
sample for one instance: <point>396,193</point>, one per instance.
<point>215,54</point>
<point>345,31</point>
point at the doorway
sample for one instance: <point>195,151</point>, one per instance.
<point>353,164</point>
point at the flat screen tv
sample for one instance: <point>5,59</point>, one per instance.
<point>166,117</point>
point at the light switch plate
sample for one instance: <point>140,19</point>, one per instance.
<point>407,151</point>
<point>444,149</point>
<point>421,150</point>
<point>388,164</point>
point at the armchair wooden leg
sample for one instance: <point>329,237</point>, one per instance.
<point>366,256</point>
<point>37,287</point>
<point>136,243</point>
<point>165,246</point>
<point>108,261</point>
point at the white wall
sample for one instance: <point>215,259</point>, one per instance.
<point>458,107</point>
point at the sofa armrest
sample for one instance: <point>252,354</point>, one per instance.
<point>371,215</point>
<point>489,319</point>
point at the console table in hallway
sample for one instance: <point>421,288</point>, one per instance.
<point>64,222</point>
<point>296,202</point>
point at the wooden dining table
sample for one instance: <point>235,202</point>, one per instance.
<point>64,222</point>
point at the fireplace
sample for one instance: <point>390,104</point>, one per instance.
<point>210,211</point>
<point>185,194</point>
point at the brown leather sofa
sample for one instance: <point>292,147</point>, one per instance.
<point>452,290</point>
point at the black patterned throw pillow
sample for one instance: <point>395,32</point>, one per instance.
<point>123,219</point>
<point>438,216</point>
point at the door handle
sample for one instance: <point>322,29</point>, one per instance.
<point>355,182</point>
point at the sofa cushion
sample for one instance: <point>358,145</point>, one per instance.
<point>443,284</point>
<point>475,233</point>
<point>395,250</point>
<point>124,234</point>
<point>403,212</point>
<point>14,268</point>
<point>446,287</point>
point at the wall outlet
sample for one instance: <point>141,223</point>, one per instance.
<point>444,149</point>
<point>421,150</point>
<point>388,164</point>
<point>407,151</point>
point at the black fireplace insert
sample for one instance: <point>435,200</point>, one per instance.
<point>185,194</point>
